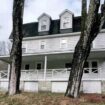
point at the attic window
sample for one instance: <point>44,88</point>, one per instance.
<point>44,25</point>
<point>66,22</point>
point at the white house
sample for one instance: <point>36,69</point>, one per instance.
<point>48,47</point>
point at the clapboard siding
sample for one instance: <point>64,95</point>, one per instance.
<point>99,42</point>
<point>51,44</point>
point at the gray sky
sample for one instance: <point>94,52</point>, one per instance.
<point>33,9</point>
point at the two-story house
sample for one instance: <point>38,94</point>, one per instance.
<point>48,47</point>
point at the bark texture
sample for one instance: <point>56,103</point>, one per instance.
<point>16,52</point>
<point>91,25</point>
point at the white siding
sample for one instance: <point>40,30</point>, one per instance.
<point>52,44</point>
<point>31,86</point>
<point>91,87</point>
<point>99,42</point>
<point>4,85</point>
<point>59,87</point>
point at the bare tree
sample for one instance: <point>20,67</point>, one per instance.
<point>16,52</point>
<point>91,25</point>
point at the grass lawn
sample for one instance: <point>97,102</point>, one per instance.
<point>50,99</point>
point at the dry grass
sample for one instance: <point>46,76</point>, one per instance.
<point>50,99</point>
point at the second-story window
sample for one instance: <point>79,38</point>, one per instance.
<point>63,43</point>
<point>23,50</point>
<point>43,25</point>
<point>42,45</point>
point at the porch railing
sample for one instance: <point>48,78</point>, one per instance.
<point>59,74</point>
<point>3,74</point>
<point>39,74</point>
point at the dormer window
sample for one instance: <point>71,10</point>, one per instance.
<point>44,25</point>
<point>44,22</point>
<point>66,21</point>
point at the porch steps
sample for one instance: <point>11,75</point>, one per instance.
<point>44,86</point>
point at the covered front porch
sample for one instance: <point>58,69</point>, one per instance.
<point>50,72</point>
<point>55,67</point>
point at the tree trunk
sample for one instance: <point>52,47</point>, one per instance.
<point>90,27</point>
<point>16,51</point>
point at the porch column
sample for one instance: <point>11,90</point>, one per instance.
<point>8,70</point>
<point>45,67</point>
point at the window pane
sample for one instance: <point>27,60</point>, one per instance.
<point>43,27</point>
<point>66,24</point>
<point>27,67</point>
<point>94,64</point>
<point>63,43</point>
<point>86,67</point>
<point>23,50</point>
<point>94,67</point>
<point>38,66</point>
<point>42,46</point>
<point>68,65</point>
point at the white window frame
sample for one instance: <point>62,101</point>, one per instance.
<point>42,43</point>
<point>44,23</point>
<point>24,46</point>
<point>90,66</point>
<point>63,43</point>
<point>66,22</point>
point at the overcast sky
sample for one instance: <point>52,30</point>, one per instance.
<point>33,9</point>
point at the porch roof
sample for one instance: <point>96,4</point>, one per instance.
<point>95,54</point>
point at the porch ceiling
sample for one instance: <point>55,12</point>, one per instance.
<point>49,57</point>
<point>59,56</point>
<point>93,55</point>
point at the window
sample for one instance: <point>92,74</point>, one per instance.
<point>94,67</point>
<point>27,66</point>
<point>23,50</point>
<point>65,25</point>
<point>66,22</point>
<point>42,45</point>
<point>44,25</point>
<point>63,43</point>
<point>91,67</point>
<point>86,67</point>
<point>38,66</point>
<point>68,66</point>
